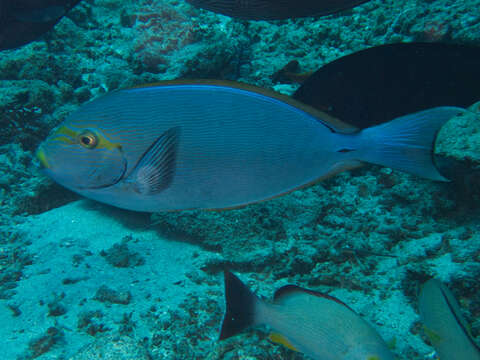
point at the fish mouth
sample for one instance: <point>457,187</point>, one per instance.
<point>42,157</point>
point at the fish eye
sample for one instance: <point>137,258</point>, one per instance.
<point>88,139</point>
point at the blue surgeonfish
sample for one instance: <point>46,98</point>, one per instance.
<point>275,9</point>
<point>444,324</point>
<point>215,145</point>
<point>316,324</point>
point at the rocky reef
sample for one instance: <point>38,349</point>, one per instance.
<point>80,280</point>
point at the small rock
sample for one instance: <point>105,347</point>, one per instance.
<point>89,321</point>
<point>119,255</point>
<point>15,309</point>
<point>106,295</point>
<point>44,343</point>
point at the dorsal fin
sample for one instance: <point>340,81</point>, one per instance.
<point>326,119</point>
<point>288,290</point>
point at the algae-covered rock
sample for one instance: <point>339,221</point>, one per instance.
<point>23,106</point>
<point>368,236</point>
<point>43,344</point>
<point>22,189</point>
<point>459,138</point>
<point>107,295</point>
<point>457,148</point>
<point>119,255</point>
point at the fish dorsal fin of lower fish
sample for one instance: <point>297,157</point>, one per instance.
<point>289,290</point>
<point>280,339</point>
<point>328,120</point>
<point>155,170</point>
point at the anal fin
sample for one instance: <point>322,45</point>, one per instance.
<point>280,339</point>
<point>434,337</point>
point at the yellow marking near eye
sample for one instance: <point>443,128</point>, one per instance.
<point>71,136</point>
<point>65,130</point>
<point>64,134</point>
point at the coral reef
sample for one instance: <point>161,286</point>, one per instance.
<point>82,280</point>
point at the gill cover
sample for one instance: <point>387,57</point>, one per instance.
<point>87,159</point>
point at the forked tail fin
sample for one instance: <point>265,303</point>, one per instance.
<point>407,143</point>
<point>240,306</point>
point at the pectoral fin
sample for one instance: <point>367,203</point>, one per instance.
<point>155,170</point>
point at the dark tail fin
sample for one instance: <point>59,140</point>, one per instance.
<point>240,306</point>
<point>407,143</point>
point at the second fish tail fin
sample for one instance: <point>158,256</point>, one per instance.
<point>241,303</point>
<point>407,143</point>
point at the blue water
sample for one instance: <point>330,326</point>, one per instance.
<point>80,280</point>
